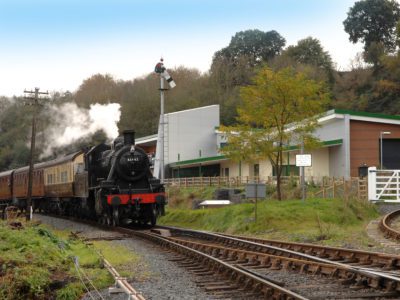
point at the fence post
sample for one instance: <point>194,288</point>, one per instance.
<point>372,183</point>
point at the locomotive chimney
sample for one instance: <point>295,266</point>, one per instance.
<point>129,137</point>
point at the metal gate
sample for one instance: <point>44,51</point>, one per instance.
<point>383,185</point>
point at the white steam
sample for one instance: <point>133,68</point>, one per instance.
<point>70,123</point>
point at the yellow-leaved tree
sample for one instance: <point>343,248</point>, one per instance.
<point>279,109</point>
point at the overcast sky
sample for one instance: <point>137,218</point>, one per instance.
<point>56,44</point>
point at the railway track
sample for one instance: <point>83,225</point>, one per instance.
<point>386,225</point>
<point>244,268</point>
<point>314,277</point>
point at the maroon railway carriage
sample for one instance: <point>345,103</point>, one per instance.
<point>20,183</point>
<point>6,179</point>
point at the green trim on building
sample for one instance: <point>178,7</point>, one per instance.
<point>365,114</point>
<point>324,144</point>
<point>333,142</point>
<point>198,160</point>
<point>223,157</point>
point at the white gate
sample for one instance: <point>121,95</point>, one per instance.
<point>383,185</point>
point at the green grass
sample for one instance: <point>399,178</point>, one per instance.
<point>30,258</point>
<point>185,197</point>
<point>329,221</point>
<point>123,260</point>
<point>37,263</point>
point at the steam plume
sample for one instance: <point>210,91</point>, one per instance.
<point>70,123</point>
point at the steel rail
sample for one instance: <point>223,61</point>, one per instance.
<point>121,283</point>
<point>269,289</point>
<point>384,280</point>
<point>388,261</point>
<point>263,260</point>
<point>385,225</point>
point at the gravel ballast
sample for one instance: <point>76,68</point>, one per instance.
<point>155,278</point>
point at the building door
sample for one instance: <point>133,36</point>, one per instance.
<point>391,154</point>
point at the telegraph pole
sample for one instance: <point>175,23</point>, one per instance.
<point>33,95</point>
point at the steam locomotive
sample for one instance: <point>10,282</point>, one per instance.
<point>112,184</point>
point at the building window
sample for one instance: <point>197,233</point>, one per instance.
<point>223,145</point>
<point>226,172</point>
<point>256,170</point>
<point>288,170</point>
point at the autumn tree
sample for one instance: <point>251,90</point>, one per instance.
<point>373,22</point>
<point>309,51</point>
<point>98,88</point>
<point>278,110</point>
<point>234,64</point>
<point>15,134</point>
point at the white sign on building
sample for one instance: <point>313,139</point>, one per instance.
<point>303,160</point>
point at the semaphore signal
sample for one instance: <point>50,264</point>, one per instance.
<point>160,69</point>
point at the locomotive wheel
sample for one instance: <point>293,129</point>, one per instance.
<point>108,220</point>
<point>153,218</point>
<point>115,220</point>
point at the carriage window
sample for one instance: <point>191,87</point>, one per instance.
<point>64,176</point>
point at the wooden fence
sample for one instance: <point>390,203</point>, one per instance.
<point>323,187</point>
<point>223,181</point>
<point>354,187</point>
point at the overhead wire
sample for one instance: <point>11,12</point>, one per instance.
<point>79,271</point>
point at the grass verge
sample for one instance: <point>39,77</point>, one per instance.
<point>38,263</point>
<point>326,221</point>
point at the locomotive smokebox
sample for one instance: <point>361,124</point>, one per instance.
<point>129,137</point>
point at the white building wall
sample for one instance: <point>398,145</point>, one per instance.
<point>320,163</point>
<point>334,130</point>
<point>233,168</point>
<point>265,168</point>
<point>186,133</point>
<point>190,131</point>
